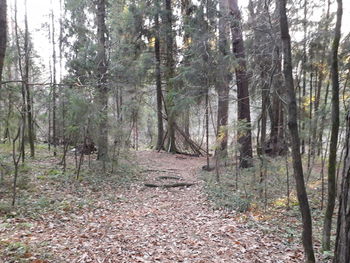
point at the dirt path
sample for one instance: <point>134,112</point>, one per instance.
<point>156,225</point>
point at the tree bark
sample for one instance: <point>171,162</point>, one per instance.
<point>170,68</point>
<point>7,134</point>
<point>245,137</point>
<point>158,80</point>
<point>54,88</point>
<point>332,161</point>
<point>267,57</point>
<point>294,133</point>
<point>23,93</point>
<point>186,17</point>
<point>3,34</point>
<point>102,81</point>
<point>276,145</point>
<point>342,243</point>
<point>222,82</point>
<point>29,106</point>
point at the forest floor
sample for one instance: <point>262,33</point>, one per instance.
<point>139,223</point>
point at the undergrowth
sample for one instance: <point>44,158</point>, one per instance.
<point>264,200</point>
<point>44,187</point>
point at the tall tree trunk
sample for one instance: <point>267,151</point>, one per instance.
<point>245,137</point>
<point>223,80</point>
<point>332,160</point>
<point>3,34</point>
<point>276,144</point>
<point>323,118</point>
<point>60,42</point>
<point>269,66</point>
<point>209,18</point>
<point>311,106</point>
<point>304,65</point>
<point>54,87</point>
<point>102,92</point>
<point>342,243</point>
<point>29,109</point>
<point>158,80</point>
<point>318,137</point>
<point>263,118</point>
<point>294,133</point>
<point>186,112</point>
<point>62,95</point>
<point>170,68</point>
<point>23,93</point>
<point>7,134</point>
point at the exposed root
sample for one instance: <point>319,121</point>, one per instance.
<point>168,177</point>
<point>169,185</point>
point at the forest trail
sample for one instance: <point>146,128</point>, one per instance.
<point>148,224</point>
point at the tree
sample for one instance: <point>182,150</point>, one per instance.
<point>342,243</point>
<point>266,64</point>
<point>223,80</point>
<point>102,90</point>
<point>245,137</point>
<point>332,160</point>
<point>54,86</point>
<point>186,39</point>
<point>28,96</point>
<point>23,84</point>
<point>3,34</point>
<point>294,133</point>
<point>169,74</point>
<point>158,76</point>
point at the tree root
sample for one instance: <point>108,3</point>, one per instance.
<point>169,177</point>
<point>209,169</point>
<point>159,171</point>
<point>169,185</point>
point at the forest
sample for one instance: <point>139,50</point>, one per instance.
<point>174,131</point>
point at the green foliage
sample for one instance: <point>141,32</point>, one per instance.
<point>54,173</point>
<point>123,175</point>
<point>225,197</point>
<point>23,182</point>
<point>5,208</point>
<point>16,250</point>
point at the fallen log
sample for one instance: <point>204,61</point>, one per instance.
<point>173,171</point>
<point>206,168</point>
<point>169,185</point>
<point>194,146</point>
<point>197,149</point>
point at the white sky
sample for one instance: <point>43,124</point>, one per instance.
<point>38,13</point>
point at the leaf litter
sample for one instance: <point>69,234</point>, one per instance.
<point>149,225</point>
